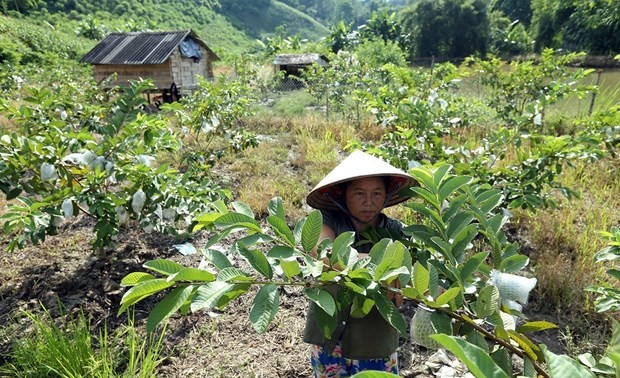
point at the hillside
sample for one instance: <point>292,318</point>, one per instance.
<point>232,28</point>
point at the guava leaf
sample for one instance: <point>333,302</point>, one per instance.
<point>135,278</point>
<point>477,360</point>
<point>390,313</point>
<point>163,266</point>
<point>563,366</point>
<point>264,307</point>
<point>323,299</point>
<point>276,207</point>
<point>281,229</point>
<point>168,306</point>
<point>311,230</point>
<point>192,274</point>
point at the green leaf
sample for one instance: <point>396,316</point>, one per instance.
<point>471,266</point>
<point>448,295</point>
<point>393,258</point>
<point>13,193</point>
<point>238,290</point>
<point>238,220</point>
<point>462,240</point>
<point>426,195</point>
<point>615,273</point>
<point>276,208</point>
<point>440,174</point>
<point>257,260</point>
<point>205,220</point>
<point>532,350</point>
<point>255,239</point>
<point>168,306</point>
<point>290,268</point>
<point>264,307</point>
<point>341,249</point>
<point>143,290</point>
<point>477,360</point>
<point>312,267</point>
<point>217,258</point>
<point>163,266</point>
<point>390,313</point>
<point>431,214</point>
<point>411,292</point>
<point>442,323</point>
<point>561,366</point>
<point>513,263</point>
<point>489,200</point>
<point>474,337</point>
<point>233,273</point>
<point>451,185</point>
<point>243,208</point>
<point>392,273</point>
<point>424,177</point>
<point>281,229</point>
<point>528,368</point>
<point>433,281</point>
<point>220,206</point>
<point>207,295</point>
<point>535,326</point>
<point>192,275</point>
<point>135,278</point>
<point>420,277</point>
<point>281,252</point>
<point>503,360</point>
<point>488,301</point>
<point>377,250</point>
<point>457,223</point>
<point>298,229</point>
<point>311,230</point>
<point>213,240</point>
<point>323,299</point>
<point>327,323</point>
<point>496,223</point>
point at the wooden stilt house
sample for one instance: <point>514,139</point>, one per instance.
<point>173,60</point>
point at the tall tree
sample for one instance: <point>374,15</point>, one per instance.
<point>451,28</point>
<point>515,10</point>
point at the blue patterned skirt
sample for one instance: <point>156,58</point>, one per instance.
<point>333,365</point>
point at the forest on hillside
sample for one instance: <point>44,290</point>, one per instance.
<point>420,28</point>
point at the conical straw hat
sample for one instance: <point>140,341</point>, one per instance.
<point>358,165</point>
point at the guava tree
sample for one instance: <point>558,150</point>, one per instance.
<point>99,155</point>
<point>456,263</point>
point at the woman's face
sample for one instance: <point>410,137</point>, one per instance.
<point>365,198</point>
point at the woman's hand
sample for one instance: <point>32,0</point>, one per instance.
<point>395,297</point>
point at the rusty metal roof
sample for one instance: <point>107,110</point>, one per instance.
<point>300,59</point>
<point>140,47</point>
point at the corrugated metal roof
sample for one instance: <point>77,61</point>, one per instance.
<point>307,58</point>
<point>139,48</point>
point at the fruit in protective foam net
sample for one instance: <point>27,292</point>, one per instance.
<point>422,328</point>
<point>512,287</point>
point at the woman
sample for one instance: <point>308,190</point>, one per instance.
<point>351,198</point>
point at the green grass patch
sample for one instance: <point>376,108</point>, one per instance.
<point>68,349</point>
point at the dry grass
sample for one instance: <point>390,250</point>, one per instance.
<point>564,241</point>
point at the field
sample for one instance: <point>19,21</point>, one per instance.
<point>297,146</point>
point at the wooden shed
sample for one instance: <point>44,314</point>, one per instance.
<point>294,64</point>
<point>293,67</point>
<point>173,60</point>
